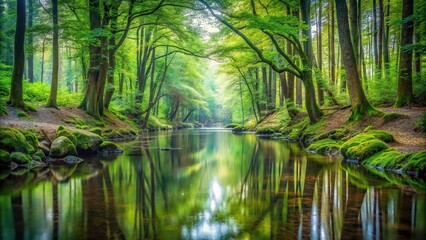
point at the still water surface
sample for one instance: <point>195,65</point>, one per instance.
<point>212,184</point>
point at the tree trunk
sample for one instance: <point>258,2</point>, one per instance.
<point>405,82</point>
<point>15,97</point>
<point>30,42</point>
<point>360,104</point>
<point>284,88</point>
<point>332,46</point>
<point>375,40</point>
<point>355,34</point>
<point>381,35</point>
<point>51,102</point>
<point>264,95</point>
<point>319,52</point>
<point>42,60</point>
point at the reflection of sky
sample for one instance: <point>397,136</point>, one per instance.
<point>207,227</point>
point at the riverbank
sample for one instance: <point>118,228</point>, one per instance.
<point>392,142</point>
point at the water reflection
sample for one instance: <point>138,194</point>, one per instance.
<point>203,184</point>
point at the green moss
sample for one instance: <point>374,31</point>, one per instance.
<point>20,158</point>
<point>381,135</point>
<point>39,154</point>
<point>22,114</point>
<point>3,109</point>
<point>239,129</point>
<point>366,149</point>
<point>65,132</point>
<point>96,130</point>
<point>99,124</point>
<point>124,132</point>
<point>4,157</point>
<point>87,141</point>
<point>416,163</point>
<point>325,146</point>
<point>30,107</point>
<point>389,117</point>
<point>31,138</point>
<point>13,140</point>
<point>81,126</point>
<point>364,137</point>
<point>62,147</point>
<point>421,122</point>
<point>388,159</point>
<point>231,125</point>
<point>266,131</point>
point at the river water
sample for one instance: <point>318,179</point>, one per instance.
<point>211,184</point>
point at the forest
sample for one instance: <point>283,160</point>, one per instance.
<point>84,82</point>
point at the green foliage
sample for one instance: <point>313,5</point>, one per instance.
<point>13,140</point>
<point>421,122</point>
<point>22,114</point>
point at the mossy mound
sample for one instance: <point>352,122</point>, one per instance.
<point>87,142</point>
<point>20,158</point>
<point>390,117</point>
<point>96,130</point>
<point>13,140</point>
<point>65,132</point>
<point>231,125</point>
<point>366,149</point>
<point>335,134</point>
<point>62,147</point>
<point>239,129</point>
<point>31,138</point>
<point>388,159</point>
<point>325,146</point>
<point>265,131</point>
<point>22,114</point>
<point>364,137</point>
<point>416,163</point>
<point>4,157</point>
<point>109,147</point>
<point>3,110</point>
<point>40,154</point>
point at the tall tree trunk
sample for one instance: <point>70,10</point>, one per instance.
<point>312,108</point>
<point>319,52</point>
<point>332,46</point>
<point>375,35</point>
<point>265,94</point>
<point>284,88</point>
<point>381,35</point>
<point>111,54</point>
<point>355,34</point>
<point>360,104</point>
<point>273,89</point>
<point>386,39</point>
<point>51,102</point>
<point>405,82</point>
<point>43,49</point>
<point>15,96</point>
<point>290,77</point>
<point>299,101</point>
<point>30,58</point>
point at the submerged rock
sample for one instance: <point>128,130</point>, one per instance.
<point>62,147</point>
<point>108,147</point>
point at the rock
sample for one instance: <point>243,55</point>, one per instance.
<point>4,157</point>
<point>13,140</point>
<point>43,148</point>
<point>72,160</point>
<point>87,142</point>
<point>31,138</point>
<point>20,158</point>
<point>39,154</point>
<point>108,147</point>
<point>65,132</point>
<point>46,143</point>
<point>61,147</point>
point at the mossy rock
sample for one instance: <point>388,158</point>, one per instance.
<point>109,147</point>
<point>13,140</point>
<point>390,117</point>
<point>388,159</point>
<point>4,157</point>
<point>381,135</point>
<point>239,129</point>
<point>295,134</point>
<point>65,132</point>
<point>62,147</point>
<point>96,130</point>
<point>364,137</point>
<point>22,114</point>
<point>416,163</point>
<point>20,158</point>
<point>31,138</point>
<point>366,149</point>
<point>87,142</point>
<point>325,146</point>
<point>265,131</point>
<point>39,154</point>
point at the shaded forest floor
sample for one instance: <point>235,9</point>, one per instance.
<point>48,120</point>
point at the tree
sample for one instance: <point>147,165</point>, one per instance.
<point>405,78</point>
<point>361,107</point>
<point>15,96</point>
<point>51,102</point>
<point>30,42</point>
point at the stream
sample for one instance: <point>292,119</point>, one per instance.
<point>211,184</point>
